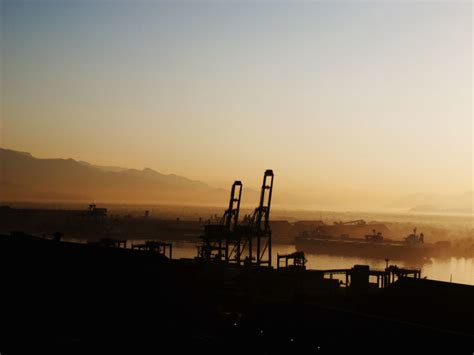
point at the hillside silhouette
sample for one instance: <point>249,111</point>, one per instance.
<point>24,177</point>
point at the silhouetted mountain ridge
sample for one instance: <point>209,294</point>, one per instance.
<point>103,168</point>
<point>24,177</point>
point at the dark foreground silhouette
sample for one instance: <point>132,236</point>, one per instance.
<point>64,298</point>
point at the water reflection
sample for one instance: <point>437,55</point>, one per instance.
<point>457,270</point>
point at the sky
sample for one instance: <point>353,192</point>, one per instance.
<point>349,102</point>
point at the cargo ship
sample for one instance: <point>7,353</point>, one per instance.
<point>374,245</point>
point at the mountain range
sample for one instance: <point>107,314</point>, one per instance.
<point>24,177</point>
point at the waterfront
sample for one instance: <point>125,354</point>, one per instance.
<point>457,270</point>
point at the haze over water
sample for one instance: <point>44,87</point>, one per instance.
<point>457,270</point>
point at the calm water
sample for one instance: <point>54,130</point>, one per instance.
<point>458,270</point>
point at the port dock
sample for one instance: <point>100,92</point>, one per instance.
<point>121,297</point>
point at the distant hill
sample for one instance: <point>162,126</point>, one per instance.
<point>424,209</point>
<point>24,177</point>
<point>422,203</point>
<point>114,169</point>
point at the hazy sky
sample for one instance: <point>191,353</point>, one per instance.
<point>344,100</point>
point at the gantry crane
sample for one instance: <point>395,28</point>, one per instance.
<point>231,220</point>
<point>256,228</point>
<point>232,242</point>
<point>216,236</point>
<point>261,220</point>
